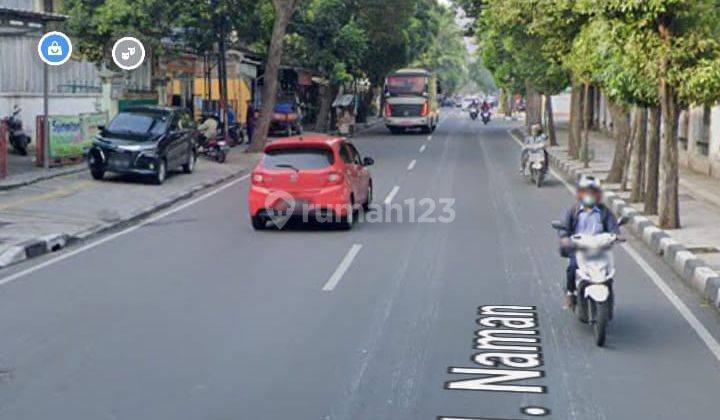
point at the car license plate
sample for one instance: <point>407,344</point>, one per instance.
<point>120,162</point>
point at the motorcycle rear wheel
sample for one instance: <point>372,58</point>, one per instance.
<point>602,318</point>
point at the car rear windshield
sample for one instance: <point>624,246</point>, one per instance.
<point>298,158</point>
<point>139,124</point>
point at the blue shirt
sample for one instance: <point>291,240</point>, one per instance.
<point>589,222</point>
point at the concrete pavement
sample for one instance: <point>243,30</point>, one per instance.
<point>45,216</point>
<point>194,315</point>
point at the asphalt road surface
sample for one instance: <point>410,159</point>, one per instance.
<point>196,316</point>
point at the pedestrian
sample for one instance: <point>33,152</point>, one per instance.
<point>250,121</point>
<point>345,121</point>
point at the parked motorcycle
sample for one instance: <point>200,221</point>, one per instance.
<point>236,132</point>
<point>215,148</point>
<point>474,113</point>
<point>594,279</point>
<point>486,117</point>
<point>16,135</point>
<point>535,163</point>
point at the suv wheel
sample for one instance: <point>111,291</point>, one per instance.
<point>97,174</point>
<point>189,166</point>
<point>161,173</point>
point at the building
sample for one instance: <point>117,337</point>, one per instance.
<point>74,88</point>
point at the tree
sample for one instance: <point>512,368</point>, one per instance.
<point>516,54</point>
<point>685,55</point>
<point>284,10</point>
<point>446,54</point>
<point>326,37</point>
<point>97,24</point>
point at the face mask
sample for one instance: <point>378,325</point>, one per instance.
<point>589,200</point>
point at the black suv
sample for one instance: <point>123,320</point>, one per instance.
<point>147,140</point>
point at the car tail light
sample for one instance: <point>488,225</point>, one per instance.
<point>388,110</point>
<point>425,110</point>
<point>335,178</point>
<point>258,179</point>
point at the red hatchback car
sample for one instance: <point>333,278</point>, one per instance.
<point>309,175</point>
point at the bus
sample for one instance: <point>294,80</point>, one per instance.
<point>411,101</point>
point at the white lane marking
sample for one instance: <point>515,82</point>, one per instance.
<point>423,147</point>
<point>429,137</point>
<point>686,313</point>
<point>391,195</point>
<point>691,319</point>
<point>412,164</point>
<point>342,268</point>
<point>29,270</point>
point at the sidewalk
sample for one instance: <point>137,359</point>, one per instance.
<point>693,250</point>
<point>48,214</point>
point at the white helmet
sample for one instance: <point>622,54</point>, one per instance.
<point>588,182</point>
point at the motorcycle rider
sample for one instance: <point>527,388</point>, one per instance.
<point>588,216</point>
<point>536,136</point>
<point>209,127</point>
<point>485,107</point>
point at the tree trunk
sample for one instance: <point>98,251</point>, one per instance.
<point>326,100</point>
<point>589,105</point>
<point>621,134</point>
<point>284,10</point>
<point>575,121</point>
<point>637,168</point>
<point>669,205</point>
<point>552,135</point>
<point>668,202</point>
<point>587,116</point>
<point>534,106</point>
<point>652,161</point>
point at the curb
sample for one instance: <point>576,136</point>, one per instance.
<point>11,185</point>
<point>693,270</point>
<point>41,246</point>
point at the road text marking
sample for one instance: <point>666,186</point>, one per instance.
<point>342,268</point>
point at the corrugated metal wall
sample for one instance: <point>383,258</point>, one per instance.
<point>21,71</point>
<point>20,4</point>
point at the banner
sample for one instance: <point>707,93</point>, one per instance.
<point>71,134</point>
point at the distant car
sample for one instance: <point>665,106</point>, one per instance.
<point>145,140</point>
<point>317,173</point>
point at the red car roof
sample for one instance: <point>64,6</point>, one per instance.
<point>310,139</point>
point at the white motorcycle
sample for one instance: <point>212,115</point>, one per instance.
<point>535,163</point>
<point>594,279</point>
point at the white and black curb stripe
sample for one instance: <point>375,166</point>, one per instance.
<point>693,270</point>
<point>32,248</point>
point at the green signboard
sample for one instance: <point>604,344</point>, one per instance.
<point>70,134</point>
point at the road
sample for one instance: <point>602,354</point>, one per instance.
<point>193,315</point>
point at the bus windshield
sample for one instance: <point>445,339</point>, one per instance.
<point>406,85</point>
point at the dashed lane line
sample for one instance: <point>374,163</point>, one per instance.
<point>342,268</point>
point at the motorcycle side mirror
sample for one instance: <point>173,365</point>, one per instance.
<point>622,221</point>
<point>101,127</point>
<point>557,225</point>
<point>368,161</point>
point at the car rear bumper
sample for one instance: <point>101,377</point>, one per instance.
<point>264,200</point>
<point>407,121</point>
